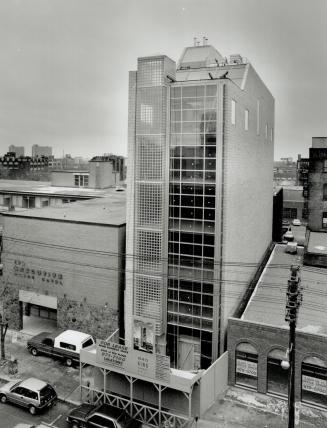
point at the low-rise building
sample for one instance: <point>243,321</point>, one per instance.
<point>258,341</point>
<point>65,265</point>
<point>293,203</point>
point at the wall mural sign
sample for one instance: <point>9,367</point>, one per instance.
<point>21,269</point>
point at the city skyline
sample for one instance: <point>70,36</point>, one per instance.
<point>64,78</point>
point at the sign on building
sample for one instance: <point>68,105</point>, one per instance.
<point>313,384</point>
<point>246,367</point>
<point>151,366</point>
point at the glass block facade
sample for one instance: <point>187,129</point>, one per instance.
<point>150,196</point>
<point>192,201</point>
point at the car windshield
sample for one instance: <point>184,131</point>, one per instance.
<point>14,386</point>
<point>47,392</point>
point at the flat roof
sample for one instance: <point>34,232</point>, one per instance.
<point>268,301</point>
<point>44,188</point>
<point>109,210</point>
<point>317,243</point>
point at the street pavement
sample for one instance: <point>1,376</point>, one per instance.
<point>11,415</point>
<point>236,408</point>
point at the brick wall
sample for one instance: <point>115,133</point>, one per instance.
<point>248,189</point>
<point>80,264</point>
<point>265,338</point>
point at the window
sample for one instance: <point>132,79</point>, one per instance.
<point>314,381</point>
<point>324,220</point>
<point>233,112</point>
<point>290,213</point>
<point>246,120</point>
<point>246,365</point>
<point>89,342</point>
<point>258,117</point>
<point>325,165</point>
<point>68,346</point>
<point>81,180</point>
<point>277,377</point>
<point>325,192</point>
<point>100,421</point>
<point>271,134</point>
<point>266,131</point>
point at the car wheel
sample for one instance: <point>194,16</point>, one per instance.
<point>3,398</point>
<point>69,362</point>
<point>32,410</point>
<point>34,352</point>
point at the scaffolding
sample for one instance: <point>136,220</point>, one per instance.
<point>154,414</point>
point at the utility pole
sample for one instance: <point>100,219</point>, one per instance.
<point>293,302</point>
<point>3,332</point>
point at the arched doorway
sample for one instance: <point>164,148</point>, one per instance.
<point>246,363</point>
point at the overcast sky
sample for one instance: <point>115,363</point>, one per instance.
<point>64,64</point>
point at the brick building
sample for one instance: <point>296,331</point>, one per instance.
<point>200,178</point>
<point>293,203</point>
<point>317,192</point>
<point>66,264</point>
<point>258,341</point>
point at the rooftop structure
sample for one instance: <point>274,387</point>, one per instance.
<point>105,209</point>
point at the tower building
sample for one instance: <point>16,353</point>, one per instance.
<point>199,210</point>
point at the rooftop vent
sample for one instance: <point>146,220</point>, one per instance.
<point>235,59</point>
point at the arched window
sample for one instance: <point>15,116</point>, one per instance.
<point>246,363</point>
<point>277,377</point>
<point>314,381</point>
<point>325,192</point>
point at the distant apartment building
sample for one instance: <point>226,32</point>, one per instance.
<point>293,203</point>
<point>39,151</point>
<point>18,150</point>
<point>102,172</point>
<point>200,204</point>
<point>285,172</point>
<point>317,186</point>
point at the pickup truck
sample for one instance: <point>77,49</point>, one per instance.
<point>103,416</point>
<point>65,345</point>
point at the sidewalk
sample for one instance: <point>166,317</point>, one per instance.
<point>235,408</point>
<point>64,379</point>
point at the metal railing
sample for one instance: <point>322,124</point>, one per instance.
<point>142,412</point>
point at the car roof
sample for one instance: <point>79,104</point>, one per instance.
<point>33,383</point>
<point>109,410</point>
<point>72,336</point>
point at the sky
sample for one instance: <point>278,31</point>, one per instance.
<point>64,64</point>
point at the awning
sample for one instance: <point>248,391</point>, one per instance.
<point>38,299</point>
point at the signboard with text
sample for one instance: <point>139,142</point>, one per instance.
<point>313,384</point>
<point>246,367</point>
<point>115,356</point>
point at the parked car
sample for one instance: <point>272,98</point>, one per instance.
<point>286,223</point>
<point>288,236</point>
<point>296,222</point>
<point>103,416</point>
<point>65,346</point>
<point>33,394</point>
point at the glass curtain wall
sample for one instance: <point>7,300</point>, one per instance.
<point>192,217</point>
